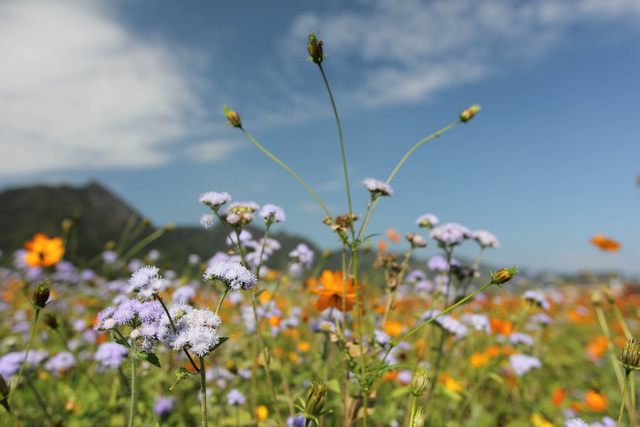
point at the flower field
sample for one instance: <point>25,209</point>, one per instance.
<point>420,338</point>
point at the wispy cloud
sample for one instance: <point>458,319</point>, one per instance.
<point>213,150</point>
<point>79,90</point>
<point>407,51</point>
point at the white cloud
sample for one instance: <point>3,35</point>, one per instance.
<point>79,90</point>
<point>412,49</point>
<point>213,150</point>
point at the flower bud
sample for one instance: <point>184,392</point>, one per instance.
<point>631,355</point>
<point>41,295</point>
<point>418,418</point>
<point>503,276</point>
<point>316,398</point>
<point>232,116</point>
<point>468,113</point>
<point>419,381</point>
<point>315,49</point>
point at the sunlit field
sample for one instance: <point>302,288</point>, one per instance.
<point>420,338</point>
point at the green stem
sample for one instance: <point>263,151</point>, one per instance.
<point>226,291</point>
<point>173,326</point>
<point>6,406</point>
<point>144,242</point>
<point>413,409</point>
<point>203,392</point>
<point>344,158</point>
<point>288,169</point>
<point>365,222</point>
<point>24,361</point>
<point>624,396</point>
<point>132,406</point>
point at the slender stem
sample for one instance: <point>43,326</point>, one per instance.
<point>288,169</point>
<point>413,409</point>
<point>144,242</point>
<point>132,405</point>
<point>400,163</point>
<point>226,291</point>
<point>203,392</point>
<point>26,353</point>
<point>344,158</point>
<point>6,406</point>
<point>623,323</point>
<point>624,395</point>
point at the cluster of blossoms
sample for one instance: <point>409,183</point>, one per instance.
<point>146,282</point>
<point>427,220</point>
<point>537,298</point>
<point>446,322</point>
<point>233,274</point>
<point>522,363</point>
<point>450,234</point>
<point>142,317</point>
<point>239,214</point>
<point>272,213</point>
<point>376,187</point>
<point>302,257</point>
<point>195,329</point>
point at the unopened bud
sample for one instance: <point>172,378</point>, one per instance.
<point>169,227</point>
<point>503,276</point>
<point>41,295</point>
<point>468,113</point>
<point>232,116</point>
<point>631,355</point>
<point>418,418</point>
<point>315,48</point>
<point>316,398</point>
<point>419,381</point>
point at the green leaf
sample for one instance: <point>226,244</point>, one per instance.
<point>222,341</point>
<point>149,357</point>
<point>399,392</point>
<point>334,386</point>
<point>181,375</point>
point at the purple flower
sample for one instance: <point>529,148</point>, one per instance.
<point>450,233</point>
<point>184,294</point>
<point>381,337</point>
<point>272,213</point>
<point>235,397</point>
<point>537,298</point>
<point>520,338</point>
<point>60,362</point>
<point>146,281</point>
<point>521,363</point>
<point>296,421</point>
<point>542,318</point>
<point>109,257</point>
<point>214,200</point>
<point>414,276</point>
<point>479,322</point>
<point>196,329</point>
<point>303,255</point>
<point>164,405</point>
<point>233,274</point>
<point>485,239</point>
<point>404,376</point>
<point>376,187</point>
<point>10,363</point>
<point>245,236</point>
<point>606,422</point>
<point>439,263</point>
<point>576,422</point>
<point>207,220</point>
<point>111,355</point>
<point>427,220</point>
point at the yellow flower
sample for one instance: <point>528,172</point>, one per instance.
<point>262,412</point>
<point>539,421</point>
<point>43,252</point>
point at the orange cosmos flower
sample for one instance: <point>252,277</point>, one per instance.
<point>393,328</point>
<point>43,252</point>
<point>450,383</point>
<point>478,359</point>
<point>332,293</point>
<point>595,401</point>
<point>558,396</point>
<point>382,246</point>
<point>605,243</point>
<point>393,235</point>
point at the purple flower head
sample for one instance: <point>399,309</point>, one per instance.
<point>235,397</point>
<point>303,255</point>
<point>423,286</point>
<point>521,363</point>
<point>542,318</point>
<point>439,263</point>
<point>164,405</point>
<point>207,220</point>
<point>479,322</point>
<point>381,337</point>
<point>450,233</point>
<point>520,338</point>
<point>184,294</point>
<point>404,376</point>
<point>60,362</point>
<point>126,312</point>
<point>214,200</point>
<point>194,259</point>
<point>537,298</point>
<point>414,276</point>
<point>245,237</point>
<point>109,257</point>
<point>427,220</point>
<point>10,363</point>
<point>376,187</point>
<point>272,213</point>
<point>233,274</point>
<point>485,239</point>
<point>453,326</point>
<point>196,329</point>
<point>296,421</point>
<point>146,281</point>
<point>606,422</point>
<point>111,355</point>
<point>240,213</point>
<point>576,422</point>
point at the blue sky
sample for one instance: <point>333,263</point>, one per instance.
<point>130,93</point>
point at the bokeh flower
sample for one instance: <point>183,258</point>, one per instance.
<point>605,243</point>
<point>43,251</point>
<point>332,293</point>
<point>376,187</point>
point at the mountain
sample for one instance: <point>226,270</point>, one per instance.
<point>99,217</point>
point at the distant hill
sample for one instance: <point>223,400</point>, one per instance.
<point>102,217</point>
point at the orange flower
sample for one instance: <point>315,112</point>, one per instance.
<point>504,327</point>
<point>595,401</point>
<point>558,396</point>
<point>393,328</point>
<point>450,383</point>
<point>493,351</point>
<point>393,235</point>
<point>332,293</point>
<point>382,246</point>
<point>479,359</point>
<point>605,243</point>
<point>597,347</point>
<point>43,252</point>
